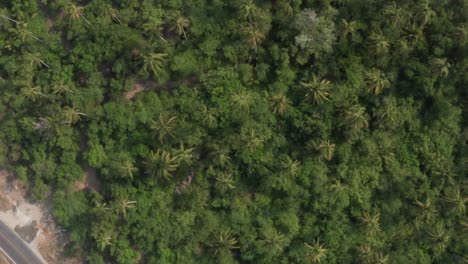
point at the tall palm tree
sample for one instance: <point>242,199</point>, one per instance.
<point>424,13</point>
<point>61,88</point>
<point>440,67</point>
<point>161,164</point>
<point>242,100</point>
<point>378,43</point>
<point>461,34</point>
<point>285,7</point>
<point>279,103</point>
<point>179,24</point>
<point>338,187</point>
<point>273,239</point>
<point>72,115</point>
<point>224,241</point>
<point>76,12</point>
<point>163,127</point>
<point>395,14</point>
<point>353,118</point>
<point>318,91</point>
<point>428,210</point>
<point>371,222</point>
<point>183,155</point>
<point>248,9</point>
<point>103,239</point>
<point>129,169</point>
<point>253,36</point>
<point>291,166</point>
<point>35,60</point>
<point>326,149</point>
<point>439,238</point>
<point>219,155</point>
<point>225,181</point>
<point>22,32</point>
<point>153,62</point>
<point>32,92</point>
<point>455,197</point>
<point>316,251</point>
<point>376,81</point>
<point>122,205</point>
<point>366,254</point>
<point>346,28</point>
<point>252,140</point>
<point>112,13</point>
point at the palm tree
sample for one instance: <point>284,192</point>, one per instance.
<point>219,155</point>
<point>461,34</point>
<point>72,115</point>
<point>225,181</point>
<point>455,197</point>
<point>366,254</point>
<point>21,30</point>
<point>338,187</point>
<point>61,88</point>
<point>316,251</point>
<point>318,91</point>
<point>35,60</point>
<point>252,141</point>
<point>395,14</point>
<point>273,239</point>
<point>378,44</point>
<point>183,155</point>
<point>32,92</point>
<point>326,149</point>
<point>242,100</point>
<point>153,62</point>
<point>371,223</point>
<point>424,13</point>
<point>381,258</point>
<point>224,242</point>
<point>253,35</point>
<point>76,12</point>
<point>163,127</point>
<point>161,164</point>
<point>439,237</point>
<point>347,28</point>
<point>179,24</point>
<point>291,166</point>
<point>440,67</point>
<point>248,9</point>
<point>279,103</point>
<point>112,13</point>
<point>353,118</point>
<point>128,168</point>
<point>376,81</point>
<point>285,7</point>
<point>428,210</point>
<point>122,205</point>
<point>103,239</point>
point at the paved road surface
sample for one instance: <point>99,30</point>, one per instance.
<point>16,248</point>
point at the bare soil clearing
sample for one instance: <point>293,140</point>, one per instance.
<point>32,221</point>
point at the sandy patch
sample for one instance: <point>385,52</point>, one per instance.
<point>137,88</point>
<point>32,221</point>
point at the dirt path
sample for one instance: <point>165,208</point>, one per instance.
<point>143,85</point>
<point>90,180</point>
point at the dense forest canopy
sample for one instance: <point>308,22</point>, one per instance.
<point>242,131</point>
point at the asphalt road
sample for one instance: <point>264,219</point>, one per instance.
<point>16,248</point>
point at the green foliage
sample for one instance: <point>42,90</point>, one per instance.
<point>242,131</point>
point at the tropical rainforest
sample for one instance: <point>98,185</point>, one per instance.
<point>242,131</point>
